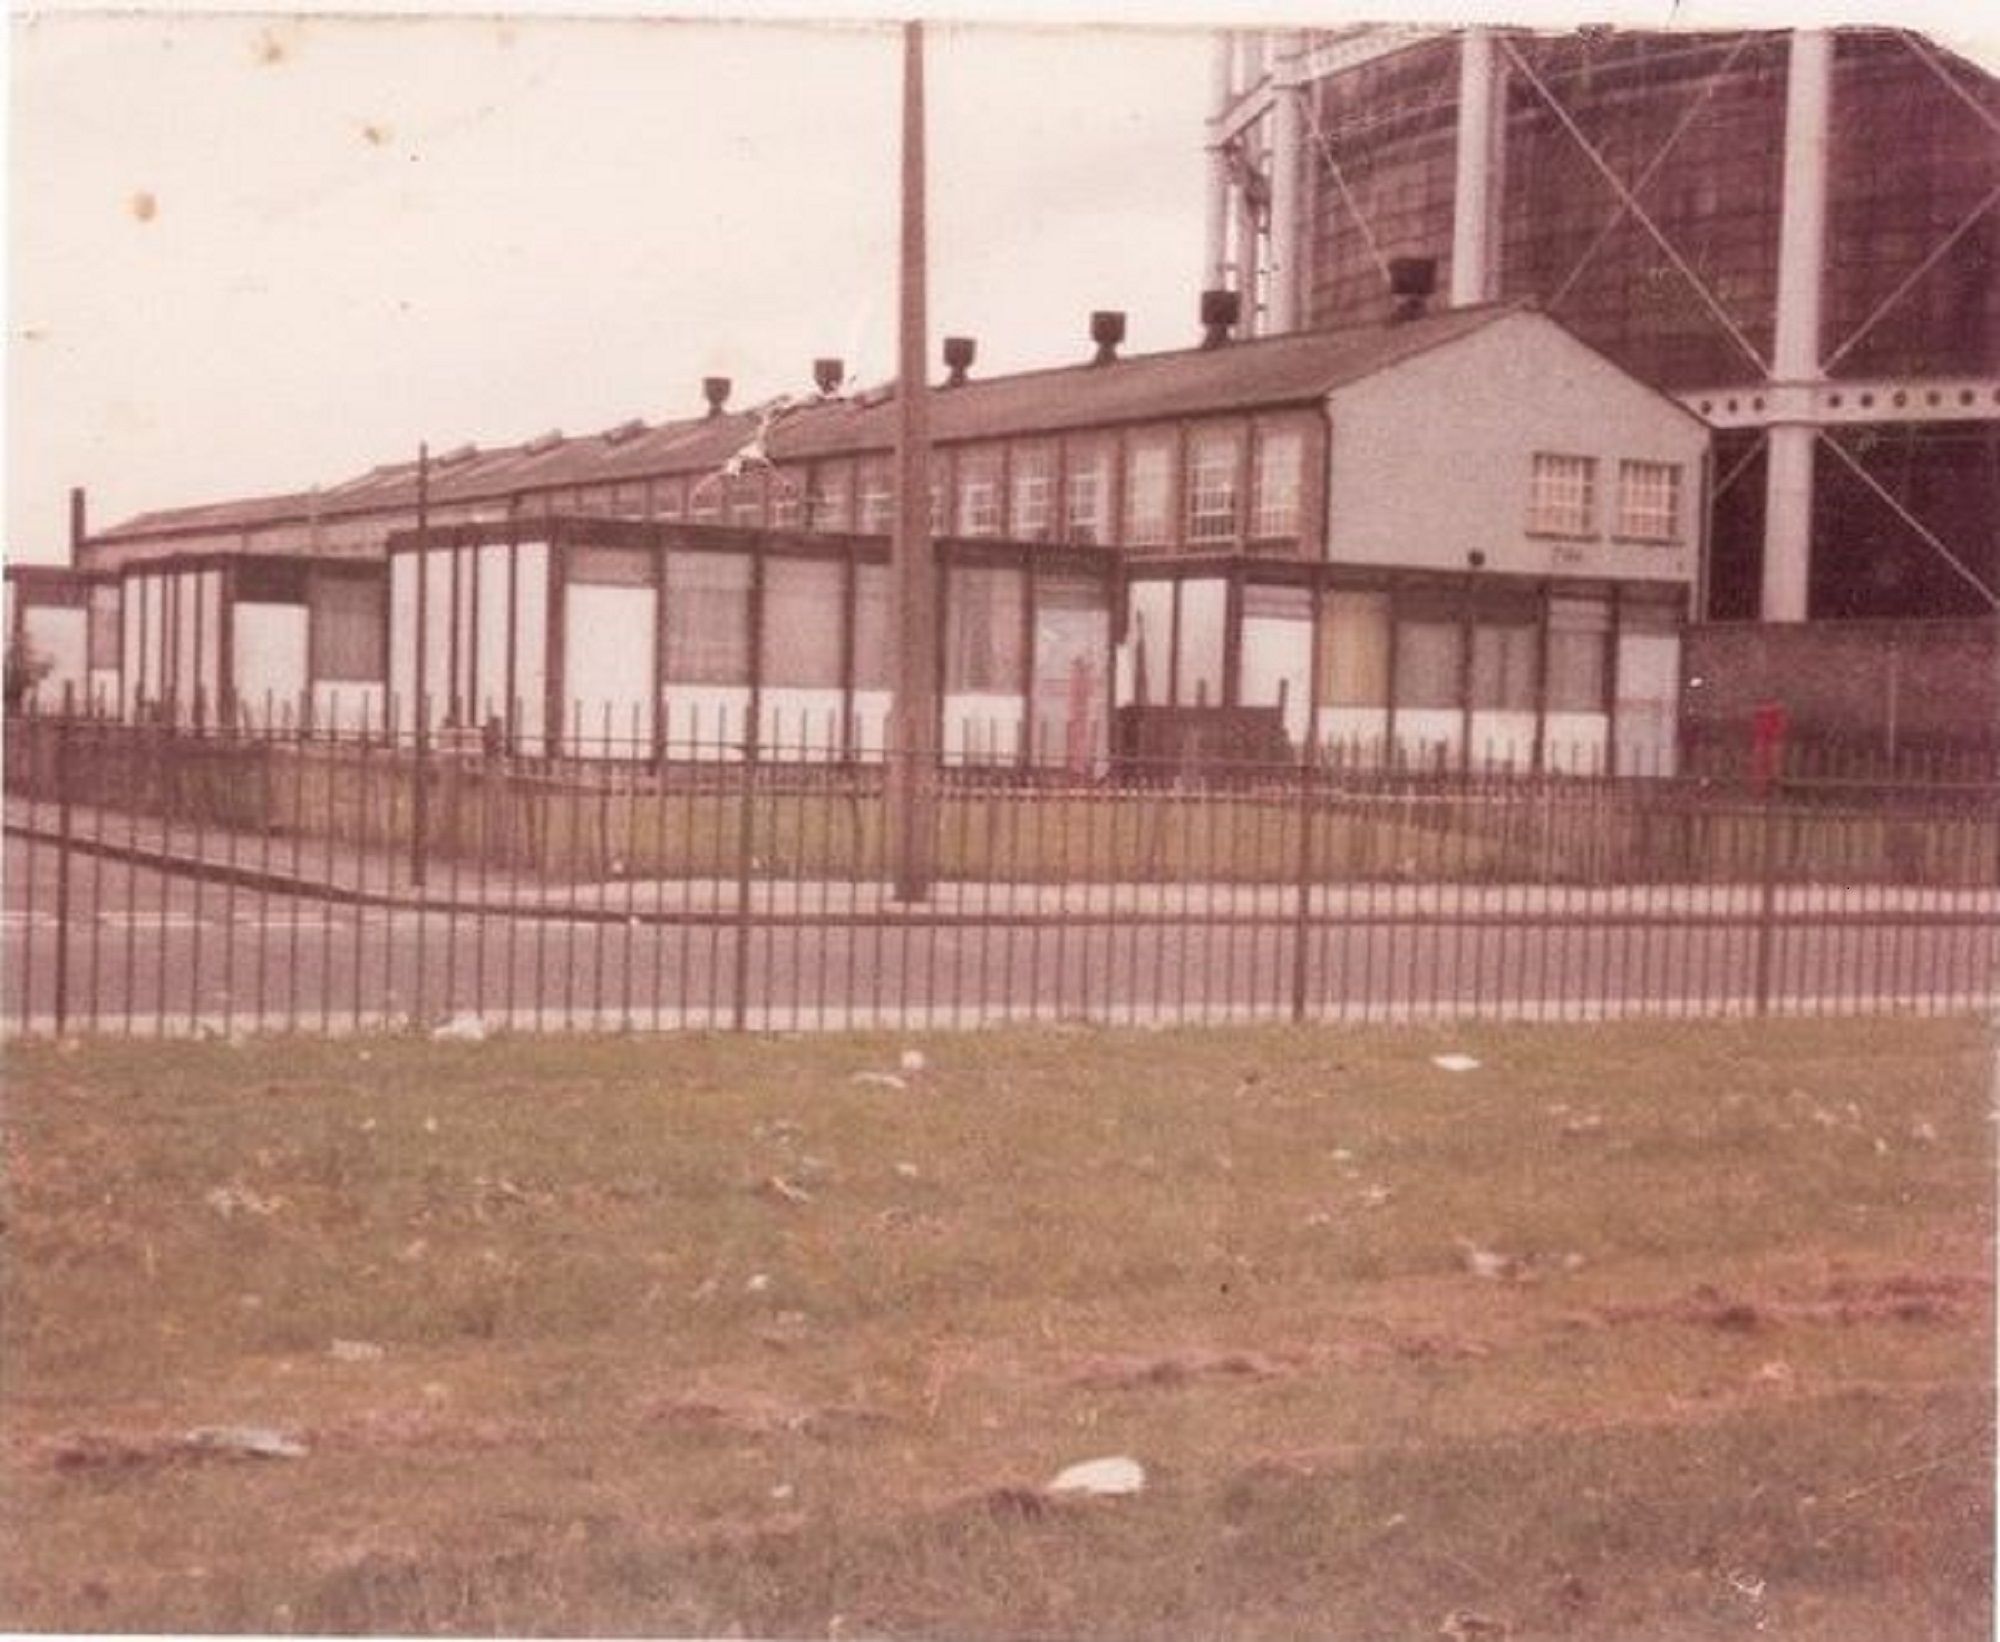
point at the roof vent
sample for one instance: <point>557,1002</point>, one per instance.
<point>1107,330</point>
<point>451,458</point>
<point>715,389</point>
<point>543,442</point>
<point>828,374</point>
<point>959,352</point>
<point>1220,310</point>
<point>624,432</point>
<point>1412,282</point>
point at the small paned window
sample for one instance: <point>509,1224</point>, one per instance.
<point>704,498</point>
<point>1211,488</point>
<point>1031,479</point>
<point>1149,476</point>
<point>1087,496</point>
<point>1503,663</point>
<point>1649,501</point>
<point>746,500</point>
<point>878,499</point>
<point>979,493</point>
<point>1276,465</point>
<point>669,498</point>
<point>829,501</point>
<point>983,634</point>
<point>1563,498</point>
<point>787,500</point>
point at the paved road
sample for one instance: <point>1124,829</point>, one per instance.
<point>147,951</point>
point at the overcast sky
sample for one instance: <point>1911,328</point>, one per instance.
<point>251,255</point>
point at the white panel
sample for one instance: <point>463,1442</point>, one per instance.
<point>1072,650</point>
<point>435,682</point>
<point>799,723</point>
<point>531,642</point>
<point>1278,653</point>
<point>131,614</point>
<point>1199,644</point>
<point>1648,685</point>
<point>1144,656</point>
<point>705,720</point>
<point>1573,743</point>
<point>490,633</point>
<point>871,723</point>
<point>1422,731</point>
<point>1503,741</point>
<point>208,678</point>
<point>1353,735</point>
<point>104,686</point>
<point>403,639</point>
<point>349,707</point>
<point>60,637</point>
<point>187,590</point>
<point>608,635</point>
<point>271,650</point>
<point>982,728</point>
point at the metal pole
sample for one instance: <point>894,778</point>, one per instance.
<point>913,732</point>
<point>1479,134</point>
<point>419,702</point>
<point>65,727</point>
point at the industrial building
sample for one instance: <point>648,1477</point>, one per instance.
<point>1797,234</point>
<point>1458,538</point>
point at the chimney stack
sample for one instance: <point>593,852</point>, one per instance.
<point>1220,310</point>
<point>958,356</point>
<point>716,390</point>
<point>78,521</point>
<point>1412,282</point>
<point>1107,330</point>
<point>828,374</point>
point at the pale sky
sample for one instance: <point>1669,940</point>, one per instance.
<point>250,254</point>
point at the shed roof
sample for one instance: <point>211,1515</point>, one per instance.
<point>1297,368</point>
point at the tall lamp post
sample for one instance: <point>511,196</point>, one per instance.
<point>913,714</point>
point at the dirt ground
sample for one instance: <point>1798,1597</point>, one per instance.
<point>1643,1331</point>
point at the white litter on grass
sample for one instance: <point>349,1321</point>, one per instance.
<point>879,1080</point>
<point>461,1029</point>
<point>355,1351</point>
<point>907,1171</point>
<point>253,1441</point>
<point>1117,1475</point>
<point>1455,1063</point>
<point>913,1060</point>
<point>760,1283</point>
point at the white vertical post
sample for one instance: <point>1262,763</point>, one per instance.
<point>1287,230</point>
<point>1216,244</point>
<point>1475,201</point>
<point>1788,489</point>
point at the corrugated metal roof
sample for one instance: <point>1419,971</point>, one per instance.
<point>1298,368</point>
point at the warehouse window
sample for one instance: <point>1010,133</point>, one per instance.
<point>1149,479</point>
<point>704,501</point>
<point>1430,652</point>
<point>348,635</point>
<point>802,622</point>
<point>708,618</point>
<point>1563,497</point>
<point>1276,464</point>
<point>1579,635</point>
<point>1503,660</point>
<point>874,643</point>
<point>1354,650</point>
<point>1211,487</point>
<point>1087,498</point>
<point>1031,479</point>
<point>979,493</point>
<point>829,503</point>
<point>102,643</point>
<point>983,631</point>
<point>878,497</point>
<point>1649,501</point>
<point>668,498</point>
<point>787,499</point>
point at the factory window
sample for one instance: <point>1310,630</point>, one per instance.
<point>1563,497</point>
<point>1649,501</point>
<point>1031,480</point>
<point>1211,486</point>
<point>1149,482</point>
<point>708,618</point>
<point>788,495</point>
<point>1579,633</point>
<point>1087,498</point>
<point>667,498</point>
<point>802,623</point>
<point>746,500</point>
<point>1354,650</point>
<point>348,635</point>
<point>878,497</point>
<point>829,502</point>
<point>979,493</point>
<point>1277,461</point>
<point>1430,654</point>
<point>983,631</point>
<point>102,644</point>
<point>1503,660</point>
<point>609,566</point>
<point>874,654</point>
<point>704,499</point>
<point>940,493</point>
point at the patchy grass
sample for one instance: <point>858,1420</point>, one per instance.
<point>701,1336</point>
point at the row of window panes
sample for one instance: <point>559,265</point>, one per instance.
<point>1562,498</point>
<point>1018,498</point>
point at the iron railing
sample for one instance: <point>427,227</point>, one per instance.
<point>166,881</point>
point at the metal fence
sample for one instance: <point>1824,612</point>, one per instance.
<point>161,882</point>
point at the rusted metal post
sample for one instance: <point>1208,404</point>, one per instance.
<point>63,733</point>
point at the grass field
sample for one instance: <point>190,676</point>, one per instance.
<point>1627,1332</point>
